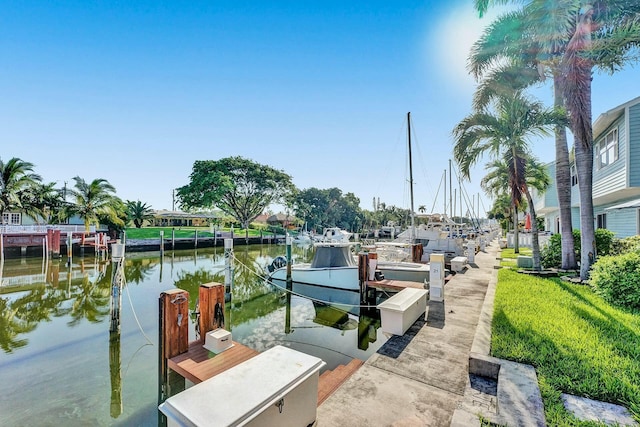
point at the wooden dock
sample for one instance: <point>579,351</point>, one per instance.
<point>199,364</point>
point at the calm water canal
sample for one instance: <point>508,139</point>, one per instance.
<point>59,366</point>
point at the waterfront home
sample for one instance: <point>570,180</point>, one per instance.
<point>616,175</point>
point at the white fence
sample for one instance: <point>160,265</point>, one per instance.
<point>31,229</point>
<point>525,240</point>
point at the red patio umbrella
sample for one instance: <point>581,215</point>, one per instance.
<point>527,222</point>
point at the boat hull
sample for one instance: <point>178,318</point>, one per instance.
<point>343,278</point>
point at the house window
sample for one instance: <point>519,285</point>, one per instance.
<point>11,218</point>
<point>607,149</point>
<point>602,221</point>
<point>574,176</point>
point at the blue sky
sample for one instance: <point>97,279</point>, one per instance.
<point>135,92</point>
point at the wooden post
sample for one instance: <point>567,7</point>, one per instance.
<point>55,244</point>
<point>173,238</point>
<point>69,247</point>
<point>211,306</point>
<point>174,324</point>
<point>195,242</point>
<point>289,279</point>
<point>363,274</point>
<point>49,240</point>
<point>161,242</point>
<point>229,265</point>
<point>416,252</point>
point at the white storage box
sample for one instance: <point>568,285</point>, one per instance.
<point>218,340</point>
<point>399,312</point>
<point>278,387</point>
<point>459,263</point>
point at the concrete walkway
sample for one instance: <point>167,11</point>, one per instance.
<point>419,379</point>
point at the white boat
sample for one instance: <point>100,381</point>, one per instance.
<point>334,266</point>
<point>332,235</point>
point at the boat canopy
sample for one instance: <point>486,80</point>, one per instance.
<point>333,256</point>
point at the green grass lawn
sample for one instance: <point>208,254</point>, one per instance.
<point>182,232</point>
<point>510,258</point>
<point>578,343</point>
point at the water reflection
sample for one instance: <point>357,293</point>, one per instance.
<point>56,340</point>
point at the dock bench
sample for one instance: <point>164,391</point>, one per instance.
<point>459,263</point>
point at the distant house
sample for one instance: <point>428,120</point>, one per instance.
<point>282,220</point>
<point>165,218</point>
<point>616,175</point>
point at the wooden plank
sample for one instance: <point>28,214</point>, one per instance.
<point>199,364</point>
<point>396,285</point>
<point>329,381</point>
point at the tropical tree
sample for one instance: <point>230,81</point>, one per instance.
<point>94,201</point>
<point>496,182</point>
<point>583,35</point>
<point>504,136</point>
<point>328,208</point>
<point>237,186</point>
<point>506,58</point>
<point>138,212</point>
<point>44,201</point>
<point>16,177</point>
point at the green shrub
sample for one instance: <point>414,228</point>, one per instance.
<point>628,244</point>
<point>604,241</point>
<point>617,279</point>
<point>551,255</point>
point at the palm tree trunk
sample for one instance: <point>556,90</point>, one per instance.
<point>535,242</point>
<point>516,242</point>
<point>563,183</point>
<point>577,70</point>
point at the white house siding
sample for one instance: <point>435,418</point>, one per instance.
<point>612,177</point>
<point>634,149</point>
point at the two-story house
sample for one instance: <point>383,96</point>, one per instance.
<point>616,175</point>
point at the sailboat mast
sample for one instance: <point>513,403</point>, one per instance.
<point>413,225</point>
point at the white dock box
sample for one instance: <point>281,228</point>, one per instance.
<point>278,387</point>
<point>399,312</point>
<point>218,340</point>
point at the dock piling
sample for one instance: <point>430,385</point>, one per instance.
<point>211,307</point>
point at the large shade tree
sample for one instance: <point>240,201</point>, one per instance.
<point>583,35</point>
<point>16,179</point>
<point>239,187</point>
<point>328,208</point>
<point>503,134</point>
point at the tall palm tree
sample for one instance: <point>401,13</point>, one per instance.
<point>583,34</point>
<point>93,200</point>
<point>138,212</point>
<point>504,136</point>
<point>505,58</point>
<point>16,177</point>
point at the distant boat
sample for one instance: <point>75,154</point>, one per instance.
<point>333,235</point>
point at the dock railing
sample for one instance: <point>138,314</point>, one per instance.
<point>36,228</point>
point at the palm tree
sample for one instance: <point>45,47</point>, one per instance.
<point>93,200</point>
<point>506,57</point>
<point>16,177</point>
<point>138,212</point>
<point>504,136</point>
<point>582,34</point>
<point>495,183</point>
